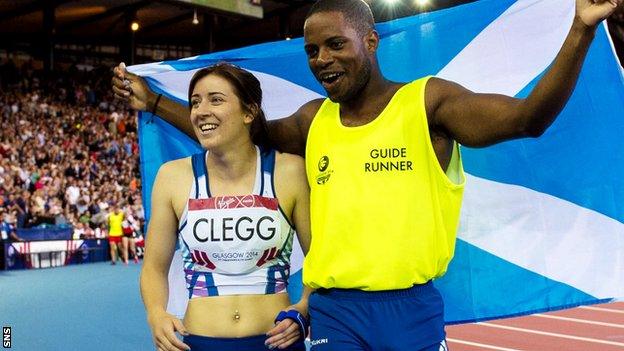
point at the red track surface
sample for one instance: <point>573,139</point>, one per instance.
<point>588,328</point>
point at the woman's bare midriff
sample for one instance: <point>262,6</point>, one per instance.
<point>233,316</point>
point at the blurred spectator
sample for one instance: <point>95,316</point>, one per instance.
<point>7,226</point>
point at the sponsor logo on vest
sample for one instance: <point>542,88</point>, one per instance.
<point>323,177</point>
<point>319,342</point>
<point>388,159</point>
<point>244,229</point>
<point>221,203</point>
<point>323,163</point>
<point>248,201</point>
<point>227,202</point>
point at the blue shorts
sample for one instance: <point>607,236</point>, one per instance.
<point>348,320</point>
<point>250,343</point>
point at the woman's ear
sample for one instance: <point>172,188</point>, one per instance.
<point>251,114</point>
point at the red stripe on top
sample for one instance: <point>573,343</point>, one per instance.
<point>272,253</point>
<point>195,257</point>
<point>208,263</point>
<point>228,202</point>
<point>263,259</point>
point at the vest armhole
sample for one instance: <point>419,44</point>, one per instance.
<point>455,169</point>
<point>453,177</point>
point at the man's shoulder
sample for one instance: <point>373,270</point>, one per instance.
<point>438,90</point>
<point>308,110</point>
<point>436,87</point>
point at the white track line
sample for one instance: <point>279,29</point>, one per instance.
<point>484,346</point>
<point>565,336</point>
<point>577,320</point>
<point>601,309</point>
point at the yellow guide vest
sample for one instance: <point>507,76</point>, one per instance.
<point>384,214</point>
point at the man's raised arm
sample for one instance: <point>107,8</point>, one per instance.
<point>287,134</point>
<point>484,119</point>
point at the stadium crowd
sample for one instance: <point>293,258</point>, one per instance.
<point>68,151</point>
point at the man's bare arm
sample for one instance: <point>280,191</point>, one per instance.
<point>484,119</point>
<point>287,134</point>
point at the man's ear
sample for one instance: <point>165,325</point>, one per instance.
<point>371,39</point>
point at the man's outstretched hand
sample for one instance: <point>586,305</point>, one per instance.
<point>130,88</point>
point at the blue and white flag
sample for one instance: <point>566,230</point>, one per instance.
<point>542,223</point>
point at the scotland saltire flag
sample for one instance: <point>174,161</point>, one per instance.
<point>542,223</point>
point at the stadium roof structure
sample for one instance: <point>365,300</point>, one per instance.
<point>50,30</point>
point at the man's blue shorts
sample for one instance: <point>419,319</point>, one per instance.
<point>251,343</point>
<point>350,320</point>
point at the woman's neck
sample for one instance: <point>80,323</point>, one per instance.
<point>233,163</point>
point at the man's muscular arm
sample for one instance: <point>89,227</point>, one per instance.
<point>484,119</point>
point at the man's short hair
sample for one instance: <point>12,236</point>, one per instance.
<point>356,12</point>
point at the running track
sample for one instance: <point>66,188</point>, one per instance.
<point>97,307</point>
<point>585,328</point>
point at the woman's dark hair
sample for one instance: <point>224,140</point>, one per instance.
<point>247,89</point>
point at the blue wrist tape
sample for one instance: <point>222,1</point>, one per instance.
<point>301,321</point>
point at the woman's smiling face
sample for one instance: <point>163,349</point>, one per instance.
<point>217,115</point>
